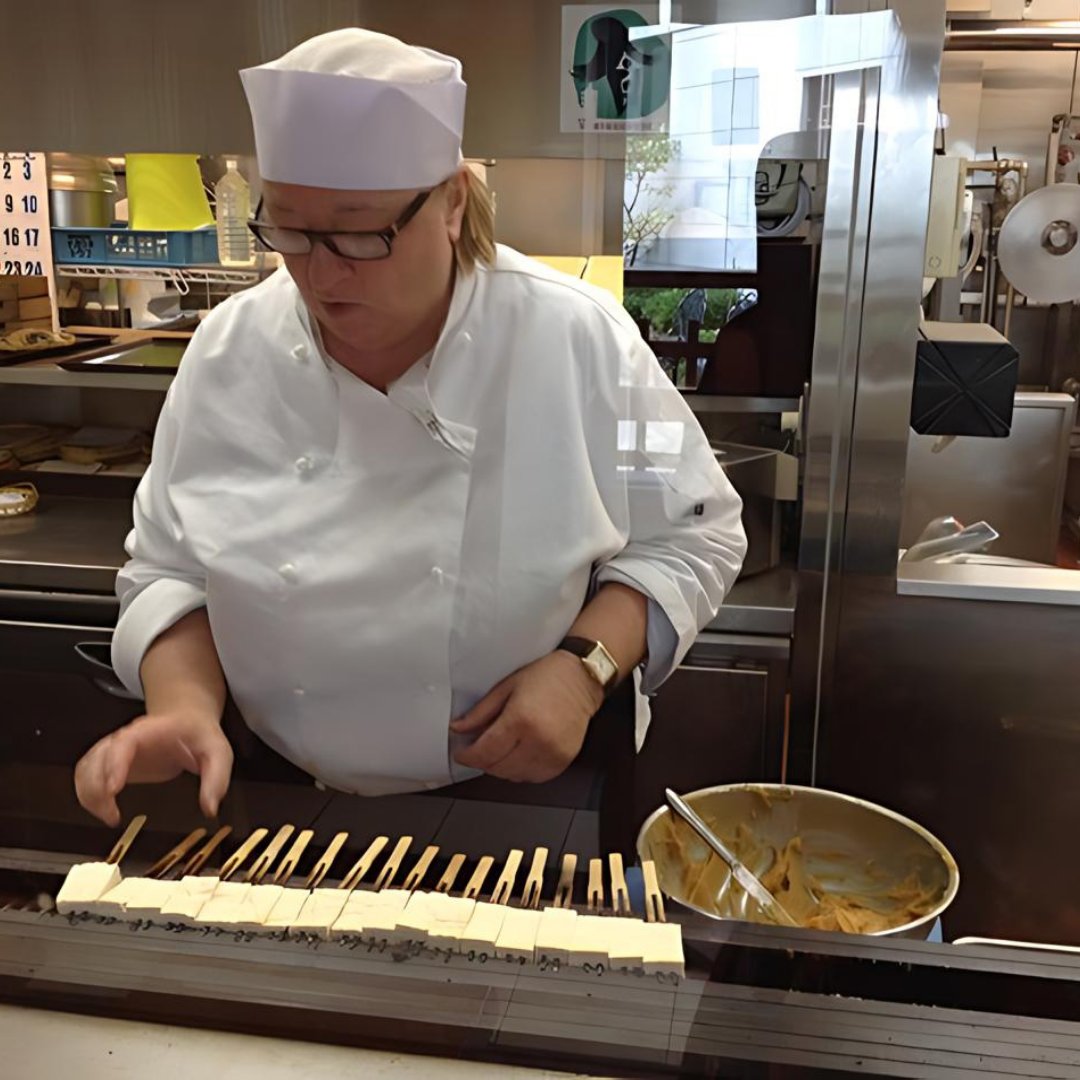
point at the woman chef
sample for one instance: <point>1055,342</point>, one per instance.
<point>417,501</point>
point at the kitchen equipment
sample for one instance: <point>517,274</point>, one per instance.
<point>1017,483</point>
<point>1038,249</point>
<point>848,846</point>
<point>764,478</point>
<point>765,899</point>
<point>81,191</point>
<point>965,381</point>
<point>931,546</point>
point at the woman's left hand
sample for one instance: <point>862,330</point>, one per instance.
<point>531,726</point>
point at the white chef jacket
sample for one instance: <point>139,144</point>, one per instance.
<point>373,564</point>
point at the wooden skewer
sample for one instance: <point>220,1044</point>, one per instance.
<point>534,883</point>
<point>120,848</point>
<point>322,867</point>
<point>654,900</point>
<point>363,864</point>
<point>393,864</point>
<point>596,886</point>
<point>620,895</point>
<point>263,863</point>
<point>476,882</point>
<point>239,856</point>
<point>564,893</point>
<point>288,864</point>
<point>423,864</point>
<point>504,887</point>
<point>446,882</point>
<point>172,857</point>
<point>202,856</point>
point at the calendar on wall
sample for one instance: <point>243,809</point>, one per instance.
<point>25,237</point>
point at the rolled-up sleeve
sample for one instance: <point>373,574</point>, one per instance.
<point>162,580</point>
<point>667,494</point>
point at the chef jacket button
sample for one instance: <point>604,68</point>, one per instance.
<point>298,691</point>
<point>300,352</point>
<point>467,338</point>
<point>304,465</point>
<point>288,572</point>
<point>437,575</point>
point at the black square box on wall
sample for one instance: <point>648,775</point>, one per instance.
<point>965,381</point>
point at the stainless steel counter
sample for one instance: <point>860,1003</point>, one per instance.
<point>762,604</point>
<point>66,544</point>
<point>72,544</point>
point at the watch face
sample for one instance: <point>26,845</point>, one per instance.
<point>603,665</point>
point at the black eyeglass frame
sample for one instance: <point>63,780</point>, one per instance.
<point>326,238</point>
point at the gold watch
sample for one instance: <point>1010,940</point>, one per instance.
<point>596,660</point>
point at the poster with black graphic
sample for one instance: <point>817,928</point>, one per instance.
<point>612,81</point>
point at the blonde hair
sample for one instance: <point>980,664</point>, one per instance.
<point>476,244</point>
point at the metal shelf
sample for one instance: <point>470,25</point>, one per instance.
<point>52,375</point>
<point>730,403</point>
<point>180,276</point>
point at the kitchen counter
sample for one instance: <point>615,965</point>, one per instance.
<point>762,604</point>
<point>47,1044</point>
<point>66,544</point>
<point>76,544</point>
<point>1018,584</point>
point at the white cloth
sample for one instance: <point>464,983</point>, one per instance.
<point>357,110</point>
<point>373,564</point>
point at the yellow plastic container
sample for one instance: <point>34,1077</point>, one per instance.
<point>165,192</point>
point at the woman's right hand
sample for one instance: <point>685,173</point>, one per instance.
<point>150,750</point>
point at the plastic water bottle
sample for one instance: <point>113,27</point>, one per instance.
<point>233,198</point>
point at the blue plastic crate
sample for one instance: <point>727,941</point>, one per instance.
<point>132,247</point>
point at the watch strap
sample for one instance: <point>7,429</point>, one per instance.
<point>584,648</point>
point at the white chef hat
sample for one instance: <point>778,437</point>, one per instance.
<point>357,110</point>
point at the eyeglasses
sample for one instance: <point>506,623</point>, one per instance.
<point>373,244</point>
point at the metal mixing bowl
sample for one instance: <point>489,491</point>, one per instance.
<point>848,846</point>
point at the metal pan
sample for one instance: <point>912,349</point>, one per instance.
<point>849,845</point>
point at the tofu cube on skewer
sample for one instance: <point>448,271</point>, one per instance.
<point>84,884</point>
<point>663,950</point>
<point>517,935</point>
<point>415,919</point>
<point>320,911</point>
<point>482,930</point>
<point>147,896</point>
<point>589,944</point>
<point>286,911</point>
<point>625,944</point>
<point>256,905</point>
<point>554,936</point>
<point>113,904</point>
<point>182,906</point>
<point>451,919</point>
<point>224,908</point>
<point>381,915</point>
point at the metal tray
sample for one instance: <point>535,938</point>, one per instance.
<point>158,356</point>
<point>81,343</point>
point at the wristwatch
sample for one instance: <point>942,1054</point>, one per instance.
<point>596,660</point>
